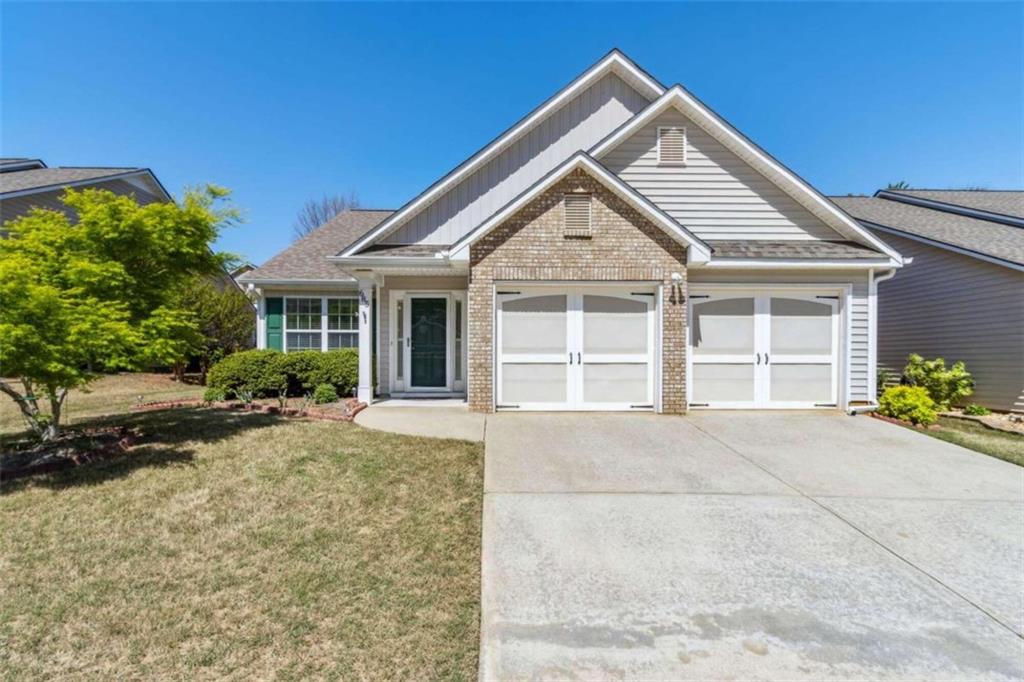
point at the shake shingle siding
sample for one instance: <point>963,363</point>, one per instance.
<point>959,308</point>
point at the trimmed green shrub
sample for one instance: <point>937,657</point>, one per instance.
<point>908,403</point>
<point>256,373</point>
<point>214,394</point>
<point>946,386</point>
<point>976,410</point>
<point>325,393</point>
<point>270,373</point>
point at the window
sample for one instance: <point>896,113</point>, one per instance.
<point>316,323</point>
<point>577,215</point>
<point>672,145</point>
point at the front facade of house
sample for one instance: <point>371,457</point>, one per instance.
<point>620,248</point>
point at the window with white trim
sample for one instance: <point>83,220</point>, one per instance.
<point>672,145</point>
<point>321,323</point>
<point>577,215</point>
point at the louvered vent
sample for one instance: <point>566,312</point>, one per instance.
<point>672,145</point>
<point>577,215</point>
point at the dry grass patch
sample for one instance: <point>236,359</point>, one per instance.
<point>244,545</point>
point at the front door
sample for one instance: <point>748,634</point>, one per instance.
<point>575,349</point>
<point>763,350</point>
<point>428,342</point>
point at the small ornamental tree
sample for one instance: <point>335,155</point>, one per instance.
<point>100,294</point>
<point>226,317</point>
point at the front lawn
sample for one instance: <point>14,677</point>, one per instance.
<point>244,545</point>
<point>979,438</point>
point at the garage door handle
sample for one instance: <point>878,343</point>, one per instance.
<point>766,358</point>
<point>759,358</point>
<point>579,361</point>
<point>570,357</point>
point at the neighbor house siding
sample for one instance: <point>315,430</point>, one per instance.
<point>956,307</point>
<point>716,194</point>
<point>579,124</point>
<point>20,205</point>
<point>857,337</point>
<point>532,246</point>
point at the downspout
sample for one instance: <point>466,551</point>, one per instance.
<point>873,338</point>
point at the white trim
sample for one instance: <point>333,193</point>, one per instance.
<point>873,331</point>
<point>261,323</point>
<point>89,181</point>
<point>436,261</point>
<point>698,252</point>
<point>615,60</point>
<point>809,264</point>
<point>399,345</point>
<point>657,147</point>
<point>349,284</point>
<point>944,245</point>
<point>722,131</point>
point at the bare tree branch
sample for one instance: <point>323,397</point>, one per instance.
<point>316,212</point>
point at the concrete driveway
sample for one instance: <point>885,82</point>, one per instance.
<point>746,546</point>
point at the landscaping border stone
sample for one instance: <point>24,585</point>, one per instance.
<point>350,407</point>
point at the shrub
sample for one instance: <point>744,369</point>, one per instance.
<point>258,373</point>
<point>269,373</point>
<point>325,393</point>
<point>976,410</point>
<point>946,386</point>
<point>214,394</point>
<point>909,403</point>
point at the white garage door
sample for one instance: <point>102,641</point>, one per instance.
<point>575,349</point>
<point>763,350</point>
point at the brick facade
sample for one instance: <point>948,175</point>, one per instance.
<point>532,246</point>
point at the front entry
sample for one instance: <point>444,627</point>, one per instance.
<point>575,349</point>
<point>758,349</point>
<point>428,342</point>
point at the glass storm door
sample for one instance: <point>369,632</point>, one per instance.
<point>764,350</point>
<point>575,350</point>
<point>428,342</point>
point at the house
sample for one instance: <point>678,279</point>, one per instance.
<point>962,295</point>
<point>25,183</point>
<point>621,247</point>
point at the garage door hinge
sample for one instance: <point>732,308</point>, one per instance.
<point>506,407</point>
<point>649,406</point>
<point>832,297</point>
<point>693,296</point>
<point>824,404</point>
<point>508,293</point>
<point>698,404</point>
<point>641,293</point>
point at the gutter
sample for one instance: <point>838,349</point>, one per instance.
<point>873,281</point>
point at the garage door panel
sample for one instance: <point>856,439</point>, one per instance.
<point>534,383</point>
<point>615,383</point>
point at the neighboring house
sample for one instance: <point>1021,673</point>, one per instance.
<point>962,295</point>
<point>25,183</point>
<point>620,248</point>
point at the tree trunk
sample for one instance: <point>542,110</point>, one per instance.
<point>57,397</point>
<point>29,407</point>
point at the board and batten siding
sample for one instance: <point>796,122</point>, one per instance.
<point>579,124</point>
<point>715,194</point>
<point>856,337</point>
<point>952,306</point>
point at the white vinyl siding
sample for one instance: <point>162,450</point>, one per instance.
<point>716,194</point>
<point>855,337</point>
<point>579,124</point>
<point>956,307</point>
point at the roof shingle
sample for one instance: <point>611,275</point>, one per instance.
<point>35,178</point>
<point>306,259</point>
<point>792,249</point>
<point>996,240</point>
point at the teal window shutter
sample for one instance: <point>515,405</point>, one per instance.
<point>275,322</point>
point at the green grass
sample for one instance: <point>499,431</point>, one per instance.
<point>1006,446</point>
<point>246,546</point>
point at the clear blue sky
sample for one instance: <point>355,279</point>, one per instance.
<point>281,102</point>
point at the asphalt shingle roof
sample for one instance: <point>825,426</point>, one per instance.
<point>791,249</point>
<point>307,258</point>
<point>1005,202</point>
<point>403,249</point>
<point>35,178</point>
<point>981,236</point>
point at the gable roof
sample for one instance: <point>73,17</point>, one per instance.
<point>1005,206</point>
<point>17,182</point>
<point>698,251</point>
<point>615,61</point>
<point>989,240</point>
<point>307,258</point>
<point>793,185</point>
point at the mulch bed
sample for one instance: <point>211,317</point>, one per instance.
<point>70,449</point>
<point>342,411</point>
<point>900,422</point>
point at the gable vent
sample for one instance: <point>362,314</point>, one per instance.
<point>577,215</point>
<point>672,145</point>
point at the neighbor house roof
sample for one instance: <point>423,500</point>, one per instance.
<point>988,239</point>
<point>306,259</point>
<point>41,179</point>
<point>999,205</point>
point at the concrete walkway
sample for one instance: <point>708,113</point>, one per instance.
<point>448,419</point>
<point>746,546</point>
